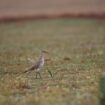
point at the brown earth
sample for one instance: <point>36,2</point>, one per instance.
<point>28,9</point>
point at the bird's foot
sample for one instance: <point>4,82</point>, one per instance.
<point>38,73</point>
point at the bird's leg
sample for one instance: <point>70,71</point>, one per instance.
<point>36,75</point>
<point>39,75</point>
<point>50,73</point>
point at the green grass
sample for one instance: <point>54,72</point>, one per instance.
<point>76,58</point>
<point>102,90</point>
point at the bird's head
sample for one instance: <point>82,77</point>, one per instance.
<point>44,51</point>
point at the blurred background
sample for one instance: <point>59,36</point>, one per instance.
<point>50,8</point>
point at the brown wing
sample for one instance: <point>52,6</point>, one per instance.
<point>33,67</point>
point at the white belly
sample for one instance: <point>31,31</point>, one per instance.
<point>42,63</point>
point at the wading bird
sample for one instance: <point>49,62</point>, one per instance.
<point>38,66</point>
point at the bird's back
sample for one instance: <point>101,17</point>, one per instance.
<point>37,66</point>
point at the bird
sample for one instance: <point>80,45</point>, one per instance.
<point>38,66</point>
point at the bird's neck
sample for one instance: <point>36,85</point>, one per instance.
<point>42,56</point>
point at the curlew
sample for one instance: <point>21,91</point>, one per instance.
<point>38,66</point>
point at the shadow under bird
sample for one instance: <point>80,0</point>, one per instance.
<point>38,66</point>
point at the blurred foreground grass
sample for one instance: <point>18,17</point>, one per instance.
<point>102,90</point>
<point>76,58</point>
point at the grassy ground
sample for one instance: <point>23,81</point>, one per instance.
<point>76,58</point>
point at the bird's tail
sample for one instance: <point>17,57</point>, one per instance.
<point>29,69</point>
<point>26,71</point>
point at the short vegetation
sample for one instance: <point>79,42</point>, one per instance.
<point>76,59</point>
